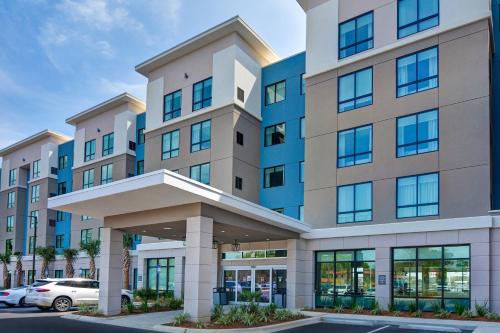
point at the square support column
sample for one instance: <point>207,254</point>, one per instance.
<point>300,275</point>
<point>111,276</point>
<point>198,276</point>
<point>383,267</point>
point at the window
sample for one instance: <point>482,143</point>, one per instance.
<point>356,35</point>
<point>275,92</point>
<point>85,236</point>
<point>301,213</point>
<point>274,135</point>
<point>354,203</point>
<point>418,133</point>
<point>36,169</point>
<point>58,274</point>
<point>345,278</point>
<point>59,216</point>
<point>85,218</point>
<point>33,218</point>
<point>354,146</point>
<point>431,276</point>
<point>108,144</point>
<point>201,173</point>
<point>170,145</point>
<point>8,246</point>
<point>59,241</point>
<point>274,176</point>
<point>160,275</point>
<point>238,183</point>
<point>141,137</point>
<point>417,72</point>
<point>61,188</point>
<point>31,276</point>
<point>35,193</point>
<point>31,245</point>
<point>417,15</point>
<point>302,127</point>
<point>172,105</point>
<point>302,84</point>
<point>239,138</point>
<point>106,174</point>
<point>10,223</point>
<point>88,178</point>
<point>140,167</point>
<point>279,210</point>
<point>301,172</point>
<point>12,177</point>
<point>11,199</point>
<point>89,150</point>
<point>137,238</point>
<point>240,94</point>
<point>202,94</point>
<point>200,136</point>
<point>63,162</point>
<point>418,196</point>
<point>355,90</point>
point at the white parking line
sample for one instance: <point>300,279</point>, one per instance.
<point>379,329</point>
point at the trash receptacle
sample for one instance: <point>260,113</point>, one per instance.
<point>220,296</point>
<point>280,297</point>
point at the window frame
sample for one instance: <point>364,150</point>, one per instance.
<point>59,241</point>
<point>87,232</point>
<point>173,113</point>
<point>203,98</point>
<point>274,84</point>
<point>10,222</point>
<point>355,98</point>
<point>108,144</point>
<point>274,167</point>
<point>418,21</point>
<point>200,166</point>
<point>354,147</point>
<point>88,184</point>
<point>201,142</point>
<point>35,193</point>
<point>12,177</point>
<point>274,127</point>
<point>417,205</point>
<point>32,221</point>
<point>416,72</point>
<point>417,142</point>
<point>36,169</point>
<point>356,35</point>
<point>11,199</point>
<point>89,156</point>
<point>302,127</point>
<point>302,84</point>
<point>302,172</point>
<point>106,180</point>
<point>167,154</point>
<point>139,167</point>
<point>354,211</point>
<point>62,188</point>
<point>62,162</point>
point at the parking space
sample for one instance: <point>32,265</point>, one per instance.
<point>25,312</point>
<point>345,328</point>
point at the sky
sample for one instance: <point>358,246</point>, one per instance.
<point>60,57</point>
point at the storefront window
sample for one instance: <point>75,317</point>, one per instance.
<point>160,275</point>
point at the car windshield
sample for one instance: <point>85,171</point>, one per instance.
<point>40,283</point>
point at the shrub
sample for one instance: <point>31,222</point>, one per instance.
<point>145,294</point>
<point>467,314</point>
<point>234,314</point>
<point>175,303</point>
<point>392,307</point>
<point>338,308</point>
<point>248,296</point>
<point>272,308</point>
<point>217,312</point>
<point>442,314</point>
<point>249,319</point>
<point>412,307</point>
<point>482,309</point>
<point>264,317</point>
<point>224,319</point>
<point>460,309</point>
<point>253,307</point>
<point>396,313</point>
<point>144,306</point>
<point>84,308</point>
<point>283,314</point>
<point>436,308</point>
<point>200,325</point>
<point>417,313</point>
<point>356,309</point>
<point>180,319</point>
<point>129,307</point>
<point>492,316</point>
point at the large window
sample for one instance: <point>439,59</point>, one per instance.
<point>354,146</point>
<point>417,72</point>
<point>417,15</point>
<point>8,246</point>
<point>356,35</point>
<point>11,199</point>
<point>302,84</point>
<point>302,127</point>
<point>354,203</point>
<point>170,145</point>
<point>172,105</point>
<point>85,236</point>
<point>141,137</point>
<point>140,167</point>
<point>10,224</point>
<point>200,173</point>
<point>59,241</point>
<point>33,218</point>
<point>418,196</point>
<point>89,150</point>
<point>274,135</point>
<point>61,188</point>
<point>161,275</point>
<point>418,133</point>
<point>35,193</point>
<point>12,177</point>
<point>36,169</point>
<point>355,90</point>
<point>200,136</point>
<point>345,277</point>
<point>275,92</point>
<point>108,144</point>
<point>301,172</point>
<point>88,178</point>
<point>63,162</point>
<point>106,173</point>
<point>31,245</point>
<point>429,276</point>
<point>59,216</point>
<point>274,176</point>
<point>202,94</point>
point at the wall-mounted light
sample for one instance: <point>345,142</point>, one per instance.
<point>98,130</point>
<point>235,246</point>
<point>215,244</point>
<point>24,160</point>
<point>186,76</point>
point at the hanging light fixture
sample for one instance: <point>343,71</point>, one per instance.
<point>235,246</point>
<point>215,244</point>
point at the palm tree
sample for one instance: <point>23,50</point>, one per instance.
<point>48,254</point>
<point>92,249</point>
<point>5,260</point>
<point>127,245</point>
<point>19,268</point>
<point>70,255</point>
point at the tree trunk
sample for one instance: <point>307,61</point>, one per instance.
<point>126,268</point>
<point>92,268</point>
<point>5,276</point>
<point>45,264</point>
<point>19,272</point>
<point>70,270</point>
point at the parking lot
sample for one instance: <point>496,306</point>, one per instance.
<point>344,328</point>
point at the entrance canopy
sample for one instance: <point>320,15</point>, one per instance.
<point>158,204</point>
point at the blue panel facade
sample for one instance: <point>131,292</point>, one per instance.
<point>290,196</point>
<point>65,175</point>
<point>495,5</point>
<point>139,152</point>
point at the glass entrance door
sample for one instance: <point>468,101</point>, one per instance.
<point>263,284</point>
<point>244,286</point>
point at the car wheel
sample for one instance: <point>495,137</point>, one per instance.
<point>125,300</point>
<point>62,304</point>
<point>43,308</point>
<point>21,302</point>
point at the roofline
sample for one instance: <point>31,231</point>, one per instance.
<point>106,106</point>
<point>34,138</point>
<point>200,40</point>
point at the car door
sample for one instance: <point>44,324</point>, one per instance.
<point>94,292</point>
<point>84,293</point>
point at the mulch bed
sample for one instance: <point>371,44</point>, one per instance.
<point>234,325</point>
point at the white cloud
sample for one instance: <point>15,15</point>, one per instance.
<point>118,87</point>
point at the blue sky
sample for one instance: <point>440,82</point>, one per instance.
<point>59,57</point>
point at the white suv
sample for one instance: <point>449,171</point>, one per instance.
<point>62,294</point>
